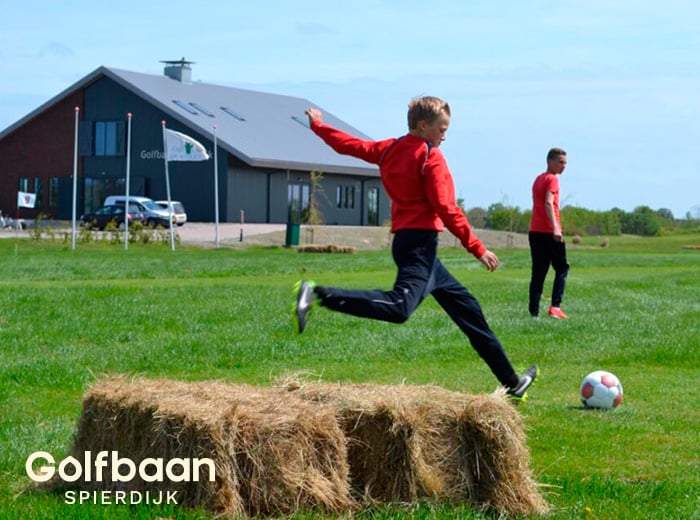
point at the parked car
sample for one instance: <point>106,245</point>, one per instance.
<point>154,215</point>
<point>103,216</point>
<point>178,210</point>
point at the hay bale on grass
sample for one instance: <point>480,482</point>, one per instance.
<point>273,453</point>
<point>329,248</point>
<point>494,437</point>
<point>408,443</point>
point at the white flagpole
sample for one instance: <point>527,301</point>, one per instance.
<point>17,225</point>
<point>128,171</point>
<point>167,188</point>
<point>216,191</point>
<point>75,178</point>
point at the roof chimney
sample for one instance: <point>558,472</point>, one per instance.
<point>179,70</point>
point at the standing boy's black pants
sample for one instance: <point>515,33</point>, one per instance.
<point>421,273</point>
<point>546,251</point>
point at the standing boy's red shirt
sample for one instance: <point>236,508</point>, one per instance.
<point>418,183</point>
<point>544,183</point>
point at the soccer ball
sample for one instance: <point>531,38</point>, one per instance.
<point>601,389</point>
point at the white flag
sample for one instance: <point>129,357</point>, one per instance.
<point>182,147</point>
<point>25,200</point>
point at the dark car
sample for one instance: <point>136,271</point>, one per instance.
<point>103,216</point>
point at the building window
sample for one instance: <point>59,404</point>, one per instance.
<point>53,193</point>
<point>201,109</point>
<point>297,203</point>
<point>185,107</point>
<point>373,207</point>
<point>106,136</point>
<point>350,196</point>
<point>96,191</point>
<point>23,184</point>
<point>233,113</point>
<point>38,185</point>
<point>345,197</point>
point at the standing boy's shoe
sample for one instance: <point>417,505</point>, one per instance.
<point>519,393</point>
<point>556,312</point>
<point>304,291</point>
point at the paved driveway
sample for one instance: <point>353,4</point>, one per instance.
<point>205,232</point>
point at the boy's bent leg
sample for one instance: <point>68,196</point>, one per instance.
<point>394,306</point>
<point>466,312</point>
<point>414,252</point>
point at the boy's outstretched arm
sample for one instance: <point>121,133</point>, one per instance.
<point>344,143</point>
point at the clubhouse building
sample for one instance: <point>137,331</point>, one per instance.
<point>265,151</point>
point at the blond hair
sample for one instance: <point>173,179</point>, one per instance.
<point>426,108</point>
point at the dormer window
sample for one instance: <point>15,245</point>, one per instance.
<point>233,113</point>
<point>185,106</point>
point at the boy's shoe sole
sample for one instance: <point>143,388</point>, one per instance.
<point>304,300</point>
<point>519,393</point>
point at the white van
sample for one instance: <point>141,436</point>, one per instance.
<point>154,215</point>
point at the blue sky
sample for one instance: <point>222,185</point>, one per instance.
<point>615,83</point>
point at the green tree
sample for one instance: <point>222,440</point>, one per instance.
<point>314,216</point>
<point>642,221</point>
<point>477,217</point>
<point>503,218</point>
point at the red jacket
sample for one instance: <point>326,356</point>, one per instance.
<point>416,179</point>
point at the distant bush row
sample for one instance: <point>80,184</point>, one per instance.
<point>643,221</point>
<point>138,233</point>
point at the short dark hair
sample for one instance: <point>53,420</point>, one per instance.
<point>426,108</point>
<point>554,153</point>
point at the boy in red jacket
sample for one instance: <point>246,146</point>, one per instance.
<point>416,178</point>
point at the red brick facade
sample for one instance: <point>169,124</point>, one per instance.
<point>42,147</point>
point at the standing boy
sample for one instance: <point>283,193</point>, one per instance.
<point>546,240</point>
<point>416,178</point>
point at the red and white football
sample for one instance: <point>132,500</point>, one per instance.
<point>601,389</point>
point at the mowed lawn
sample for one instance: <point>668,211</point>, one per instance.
<point>68,317</point>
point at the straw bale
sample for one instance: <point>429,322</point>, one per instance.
<point>408,443</point>
<point>326,248</point>
<point>273,453</point>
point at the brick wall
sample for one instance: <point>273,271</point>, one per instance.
<point>41,147</point>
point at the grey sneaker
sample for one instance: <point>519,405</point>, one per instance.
<point>304,292</point>
<point>519,393</point>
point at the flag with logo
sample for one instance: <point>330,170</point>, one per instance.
<point>26,200</point>
<point>181,147</point>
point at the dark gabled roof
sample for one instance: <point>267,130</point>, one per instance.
<point>267,137</point>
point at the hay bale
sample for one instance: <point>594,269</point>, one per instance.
<point>329,248</point>
<point>494,436</point>
<point>408,443</point>
<point>273,453</point>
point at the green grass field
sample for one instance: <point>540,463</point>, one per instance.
<point>68,317</point>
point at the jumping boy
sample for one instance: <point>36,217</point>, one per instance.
<point>416,178</point>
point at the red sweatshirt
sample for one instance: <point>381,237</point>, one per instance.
<point>544,183</point>
<point>421,190</point>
